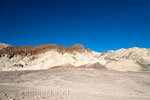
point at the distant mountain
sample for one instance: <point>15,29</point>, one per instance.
<point>47,56</point>
<point>132,59</point>
<point>3,45</point>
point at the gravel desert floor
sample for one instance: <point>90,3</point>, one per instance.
<point>74,84</point>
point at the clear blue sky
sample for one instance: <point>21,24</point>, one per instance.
<point>97,24</point>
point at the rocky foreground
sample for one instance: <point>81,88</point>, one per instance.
<point>74,84</point>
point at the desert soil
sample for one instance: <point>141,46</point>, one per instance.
<point>74,84</point>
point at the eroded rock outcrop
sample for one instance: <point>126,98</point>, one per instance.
<point>47,56</point>
<point>132,59</point>
<point>3,45</point>
<point>35,50</point>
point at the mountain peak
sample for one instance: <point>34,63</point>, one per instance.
<point>3,45</point>
<point>78,46</point>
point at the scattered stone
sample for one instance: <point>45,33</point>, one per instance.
<point>20,65</point>
<point>11,56</point>
<point>35,97</point>
<point>11,99</point>
<point>4,94</point>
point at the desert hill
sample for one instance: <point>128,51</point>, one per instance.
<point>47,56</point>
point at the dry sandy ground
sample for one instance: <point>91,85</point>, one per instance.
<point>74,84</point>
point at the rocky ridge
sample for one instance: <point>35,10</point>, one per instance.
<point>47,56</point>
<point>3,45</point>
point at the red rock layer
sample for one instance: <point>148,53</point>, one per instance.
<point>35,50</point>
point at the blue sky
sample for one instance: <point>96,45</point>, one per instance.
<point>97,24</point>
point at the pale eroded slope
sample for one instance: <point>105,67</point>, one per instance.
<point>47,56</point>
